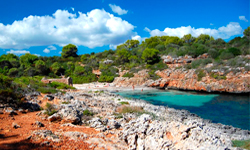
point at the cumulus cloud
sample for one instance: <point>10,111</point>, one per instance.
<point>18,52</point>
<point>243,18</point>
<point>93,29</point>
<point>49,48</point>
<point>46,50</point>
<point>118,10</point>
<point>147,29</point>
<point>224,32</point>
<point>137,37</point>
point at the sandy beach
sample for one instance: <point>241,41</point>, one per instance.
<point>109,87</point>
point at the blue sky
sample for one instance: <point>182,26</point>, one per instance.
<point>43,27</point>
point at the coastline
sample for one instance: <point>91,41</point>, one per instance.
<point>184,127</point>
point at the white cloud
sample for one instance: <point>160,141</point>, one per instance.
<point>147,29</point>
<point>224,32</point>
<point>46,50</point>
<point>93,29</point>
<point>18,52</point>
<point>137,37</point>
<point>52,47</point>
<point>37,55</point>
<point>118,10</point>
<point>243,18</point>
<point>73,9</point>
<point>49,48</point>
<point>211,24</point>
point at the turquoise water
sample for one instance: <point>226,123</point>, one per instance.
<point>219,108</point>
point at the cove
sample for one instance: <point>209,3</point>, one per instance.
<point>227,109</point>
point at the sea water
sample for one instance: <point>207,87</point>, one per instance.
<point>219,108</point>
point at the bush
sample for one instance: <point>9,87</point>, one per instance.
<point>47,90</point>
<point>59,85</point>
<point>196,63</point>
<point>128,74</point>
<point>213,53</point>
<point>104,78</point>
<point>86,112</point>
<point>242,144</point>
<point>200,74</point>
<point>226,55</point>
<point>217,76</point>
<point>153,76</point>
<point>206,61</point>
<point>234,51</point>
<point>50,109</point>
<point>13,72</point>
<point>84,79</point>
<point>124,103</point>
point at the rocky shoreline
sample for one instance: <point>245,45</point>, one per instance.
<point>143,126</point>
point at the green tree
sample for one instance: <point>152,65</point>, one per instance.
<point>69,50</point>
<point>150,55</point>
<point>57,69</point>
<point>247,32</point>
<point>13,72</point>
<point>123,55</point>
<point>41,67</point>
<point>234,51</point>
<point>132,43</point>
<point>173,40</point>
<point>188,38</point>
<point>28,59</point>
<point>84,58</point>
<point>152,41</point>
<point>203,38</point>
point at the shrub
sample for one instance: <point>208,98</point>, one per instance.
<point>50,109</point>
<point>124,103</point>
<point>200,74</point>
<point>84,79</point>
<point>196,63</point>
<point>59,85</point>
<point>234,51</point>
<point>226,55</point>
<point>128,74</point>
<point>86,112</point>
<point>13,72</point>
<point>217,76</point>
<point>242,144</point>
<point>153,76</point>
<point>213,53</point>
<point>65,102</point>
<point>206,61</point>
<point>47,90</point>
<point>104,78</point>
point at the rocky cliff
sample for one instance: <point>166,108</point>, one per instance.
<point>208,79</point>
<point>188,80</point>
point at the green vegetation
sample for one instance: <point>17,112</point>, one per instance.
<point>200,74</point>
<point>50,109</point>
<point>19,75</point>
<point>86,112</point>
<point>128,74</point>
<point>124,103</point>
<point>242,144</point>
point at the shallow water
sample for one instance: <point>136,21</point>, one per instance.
<point>219,108</point>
